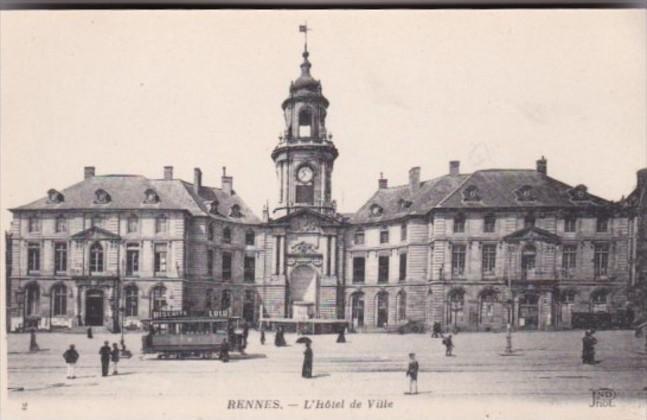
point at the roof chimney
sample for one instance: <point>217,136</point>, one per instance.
<point>454,167</point>
<point>414,178</point>
<point>542,166</point>
<point>197,180</point>
<point>168,173</point>
<point>382,182</point>
<point>642,178</point>
<point>227,183</point>
<point>88,172</point>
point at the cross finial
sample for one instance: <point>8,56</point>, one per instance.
<point>304,28</point>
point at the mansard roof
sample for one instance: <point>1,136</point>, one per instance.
<point>484,189</point>
<point>128,192</point>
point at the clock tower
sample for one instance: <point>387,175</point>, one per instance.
<point>305,154</point>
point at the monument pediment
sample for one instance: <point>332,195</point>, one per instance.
<point>532,234</point>
<point>95,233</point>
<point>306,221</point>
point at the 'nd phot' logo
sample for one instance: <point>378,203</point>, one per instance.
<point>603,397</point>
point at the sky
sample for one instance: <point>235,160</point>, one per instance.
<point>133,91</point>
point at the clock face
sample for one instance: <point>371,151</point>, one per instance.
<point>305,174</point>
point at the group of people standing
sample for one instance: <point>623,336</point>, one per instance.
<point>107,354</point>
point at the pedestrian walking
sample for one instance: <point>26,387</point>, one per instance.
<point>105,353</point>
<point>341,338</point>
<point>588,347</point>
<point>71,356</point>
<point>436,330</point>
<point>449,345</point>
<point>89,332</point>
<point>33,346</point>
<point>306,370</point>
<point>262,335</point>
<point>245,333</point>
<point>224,352</point>
<point>279,338</point>
<point>114,357</point>
<point>412,373</point>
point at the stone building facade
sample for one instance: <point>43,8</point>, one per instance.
<point>472,251</point>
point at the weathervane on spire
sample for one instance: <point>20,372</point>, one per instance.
<point>305,29</point>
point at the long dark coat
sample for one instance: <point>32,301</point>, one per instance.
<point>306,371</point>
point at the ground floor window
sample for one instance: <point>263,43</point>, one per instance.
<point>59,300</point>
<point>401,304</point>
<point>32,298</point>
<point>131,298</point>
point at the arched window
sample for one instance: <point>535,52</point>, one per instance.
<point>158,301</point>
<point>401,305</point>
<point>250,238</point>
<point>225,301</point>
<point>226,235</point>
<point>382,307</point>
<point>161,224</point>
<point>32,300</point>
<point>132,224</point>
<point>210,231</point>
<point>305,123</point>
<point>59,300</point>
<point>132,300</point>
<point>96,258</point>
<point>60,224</point>
<point>235,211</point>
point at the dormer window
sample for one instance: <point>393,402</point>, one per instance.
<point>404,204</point>
<point>101,197</point>
<point>579,193</point>
<point>235,211</point>
<point>525,193</point>
<point>471,193</point>
<point>213,207</point>
<point>54,196</point>
<point>376,210</point>
<point>151,197</point>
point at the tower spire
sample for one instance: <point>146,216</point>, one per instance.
<point>304,28</point>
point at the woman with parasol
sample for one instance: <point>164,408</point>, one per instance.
<point>306,371</point>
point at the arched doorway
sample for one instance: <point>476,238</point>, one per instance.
<point>303,292</point>
<point>357,309</point>
<point>456,300</point>
<point>487,306</point>
<point>94,307</point>
<point>382,309</point>
<point>529,311</point>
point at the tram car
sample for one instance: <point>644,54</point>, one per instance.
<point>179,335</point>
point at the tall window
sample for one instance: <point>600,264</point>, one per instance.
<point>210,231</point>
<point>33,257</point>
<point>32,300</point>
<point>157,298</point>
<point>132,259</point>
<point>161,224</point>
<point>132,300</point>
<point>401,305</point>
<point>384,235</point>
<point>132,223</point>
<point>403,267</point>
<point>601,259</point>
<point>160,259</point>
<point>33,224</point>
<point>403,231</point>
<point>529,221</point>
<point>59,300</point>
<point>226,266</point>
<point>383,269</point>
<point>209,262</point>
<point>60,224</point>
<point>456,305</point>
<point>569,257</point>
<point>96,258</point>
<point>488,300</point>
<point>489,222</point>
<point>488,258</point>
<point>459,223</point>
<point>570,224</point>
<point>359,265</point>
<point>599,300</point>
<point>359,237</point>
<point>602,224</point>
<point>226,235</point>
<point>250,269</point>
<point>225,301</point>
<point>528,258</point>
<point>250,238</point>
<point>60,257</point>
<point>458,260</point>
